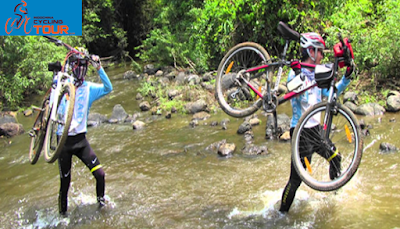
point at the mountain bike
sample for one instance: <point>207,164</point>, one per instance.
<point>243,86</point>
<point>50,129</point>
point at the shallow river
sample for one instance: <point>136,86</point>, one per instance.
<point>162,177</point>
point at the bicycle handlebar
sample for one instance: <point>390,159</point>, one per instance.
<point>60,42</point>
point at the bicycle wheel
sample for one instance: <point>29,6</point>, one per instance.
<point>38,132</point>
<point>326,154</point>
<point>235,97</point>
<point>57,130</point>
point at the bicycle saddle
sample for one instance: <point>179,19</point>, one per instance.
<point>288,33</point>
<point>56,66</point>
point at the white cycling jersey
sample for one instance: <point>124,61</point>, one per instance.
<point>310,97</point>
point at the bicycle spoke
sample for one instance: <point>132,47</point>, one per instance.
<point>326,161</point>
<point>233,92</point>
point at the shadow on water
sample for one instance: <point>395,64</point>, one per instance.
<point>163,177</point>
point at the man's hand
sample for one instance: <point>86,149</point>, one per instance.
<point>349,71</point>
<point>95,61</point>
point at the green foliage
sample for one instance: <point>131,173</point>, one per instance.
<point>198,34</point>
<point>102,30</point>
<point>146,88</point>
<point>23,66</point>
<point>373,27</point>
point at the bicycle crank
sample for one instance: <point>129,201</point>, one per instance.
<point>270,105</point>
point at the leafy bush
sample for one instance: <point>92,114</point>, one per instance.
<point>373,27</point>
<point>23,66</point>
<point>199,34</point>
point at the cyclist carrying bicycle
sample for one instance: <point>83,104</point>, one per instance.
<point>76,143</point>
<point>312,47</point>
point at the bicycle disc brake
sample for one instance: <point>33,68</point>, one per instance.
<point>270,105</point>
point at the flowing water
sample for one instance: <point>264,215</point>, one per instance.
<point>163,177</point>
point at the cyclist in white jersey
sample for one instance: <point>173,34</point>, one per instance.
<point>312,46</point>
<point>86,93</point>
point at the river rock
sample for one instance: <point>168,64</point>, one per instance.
<point>194,79</point>
<point>215,146</point>
<point>95,119</point>
<point>132,118</point>
<point>225,121</point>
<point>150,69</point>
<point>159,73</point>
<point>226,149</point>
<point>130,75</point>
<point>11,129</point>
<point>173,93</point>
<point>172,75</point>
<point>201,115</point>
<point>370,109</point>
<point>251,149</point>
<point>7,118</point>
<point>283,124</point>
<point>28,112</point>
<point>254,121</point>
<point>163,81</point>
<point>139,96</point>
<point>249,137</point>
<point>194,123</point>
<point>385,147</point>
<point>208,87</point>
<point>245,126</point>
<point>119,113</point>
<point>195,107</point>
<point>214,123</point>
<point>282,89</point>
<point>393,93</point>
<point>393,103</point>
<point>285,136</point>
<point>144,106</point>
<point>350,96</point>
<point>351,106</point>
<point>138,125</point>
<point>228,80</point>
<point>181,78</point>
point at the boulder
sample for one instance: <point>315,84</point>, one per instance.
<point>195,107</point>
<point>251,149</point>
<point>244,127</point>
<point>385,147</point>
<point>226,149</point>
<point>144,106</point>
<point>7,118</point>
<point>138,125</point>
<point>350,97</point>
<point>95,119</point>
<point>393,103</point>
<point>11,129</point>
<point>370,109</point>
<point>119,113</point>
<point>201,115</point>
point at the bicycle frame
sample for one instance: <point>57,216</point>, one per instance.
<point>61,78</point>
<point>282,99</point>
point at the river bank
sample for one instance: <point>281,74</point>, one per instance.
<point>163,176</point>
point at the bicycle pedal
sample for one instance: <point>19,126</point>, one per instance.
<point>32,133</point>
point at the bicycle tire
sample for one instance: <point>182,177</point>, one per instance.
<point>37,140</point>
<point>242,56</point>
<point>53,146</point>
<point>344,138</point>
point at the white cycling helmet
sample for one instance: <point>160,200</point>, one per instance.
<point>312,40</point>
